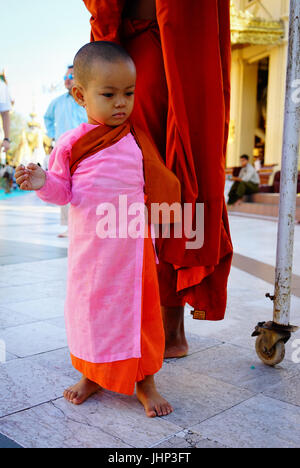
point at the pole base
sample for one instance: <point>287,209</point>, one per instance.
<point>271,340</point>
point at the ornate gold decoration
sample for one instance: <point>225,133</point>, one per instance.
<point>31,146</point>
<point>33,123</point>
<point>248,29</point>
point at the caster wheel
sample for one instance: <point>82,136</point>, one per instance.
<point>272,357</point>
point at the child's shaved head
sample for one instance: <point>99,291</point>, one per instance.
<point>105,77</point>
<point>97,51</point>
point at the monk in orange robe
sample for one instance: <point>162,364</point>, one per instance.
<point>182,54</point>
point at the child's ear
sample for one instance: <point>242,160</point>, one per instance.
<point>77,93</point>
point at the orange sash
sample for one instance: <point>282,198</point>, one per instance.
<point>161,185</point>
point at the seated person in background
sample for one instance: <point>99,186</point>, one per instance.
<point>246,183</point>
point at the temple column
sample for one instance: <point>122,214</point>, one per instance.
<point>243,108</point>
<point>275,105</point>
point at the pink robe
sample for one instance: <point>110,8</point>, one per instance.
<point>104,286</point>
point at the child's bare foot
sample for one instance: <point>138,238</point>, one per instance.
<point>80,392</point>
<point>153,402</point>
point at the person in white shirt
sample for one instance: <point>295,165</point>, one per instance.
<point>245,184</point>
<point>5,107</point>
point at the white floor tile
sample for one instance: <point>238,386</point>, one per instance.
<point>34,338</point>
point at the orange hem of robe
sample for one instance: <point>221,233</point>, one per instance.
<point>121,376</point>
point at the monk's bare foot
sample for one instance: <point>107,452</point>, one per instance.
<point>173,352</point>
<point>80,392</point>
<point>153,402</point>
<point>176,344</point>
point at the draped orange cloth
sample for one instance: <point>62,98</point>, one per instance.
<point>121,376</point>
<point>183,104</point>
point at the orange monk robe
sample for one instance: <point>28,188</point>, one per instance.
<point>182,102</point>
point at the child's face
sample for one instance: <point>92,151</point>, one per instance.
<point>108,97</point>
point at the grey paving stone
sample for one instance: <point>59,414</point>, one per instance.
<point>10,357</point>
<point>54,288</point>
<point>188,439</point>
<point>287,390</point>
<point>196,397</point>
<point>46,426</point>
<point>17,277</point>
<point>260,422</point>
<point>10,318</point>
<point>34,338</point>
<point>15,259</point>
<point>24,384</point>
<point>121,418</point>
<point>230,330</point>
<point>102,421</point>
<point>256,238</point>
<point>39,309</point>
<point>18,251</point>
<point>13,294</point>
<point>47,269</point>
<point>238,366</point>
<point>58,322</point>
<point>57,361</point>
<point>193,396</point>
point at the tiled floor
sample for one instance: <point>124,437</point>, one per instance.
<point>222,394</point>
<point>24,252</point>
<point>262,270</point>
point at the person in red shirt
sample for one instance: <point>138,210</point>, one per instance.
<point>182,54</point>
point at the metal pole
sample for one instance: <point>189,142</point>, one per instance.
<point>289,174</point>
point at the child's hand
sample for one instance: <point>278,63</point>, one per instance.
<point>32,177</point>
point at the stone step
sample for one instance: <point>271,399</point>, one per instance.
<point>261,209</point>
<point>270,198</point>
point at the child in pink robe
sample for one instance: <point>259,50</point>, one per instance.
<point>113,319</point>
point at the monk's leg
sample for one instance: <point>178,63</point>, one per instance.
<point>151,116</point>
<point>176,343</point>
<point>153,402</point>
<point>172,308</point>
<point>80,392</point>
